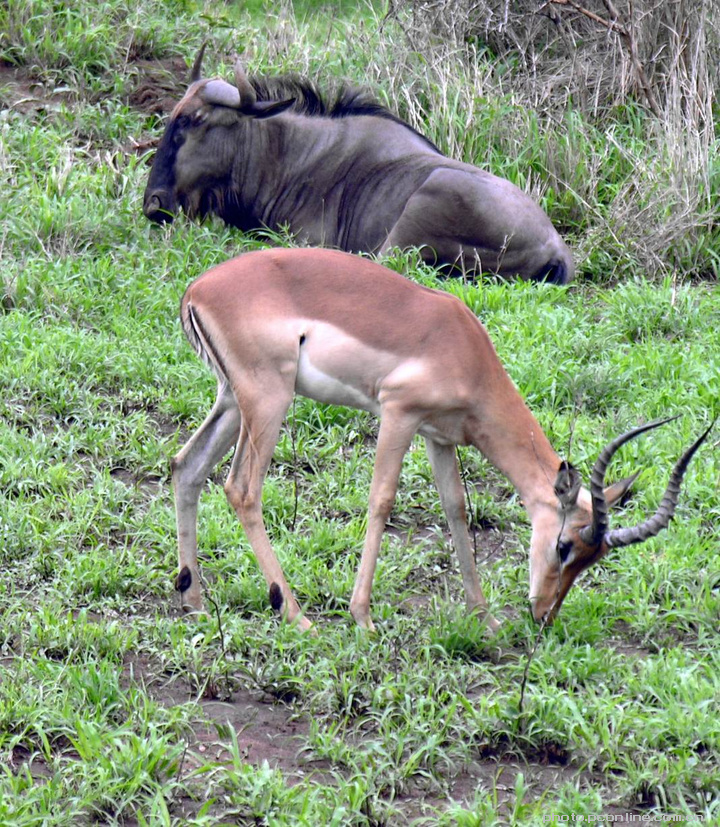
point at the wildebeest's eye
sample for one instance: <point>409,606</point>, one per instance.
<point>564,547</point>
<point>180,127</point>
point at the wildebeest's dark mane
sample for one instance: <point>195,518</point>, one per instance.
<point>346,102</point>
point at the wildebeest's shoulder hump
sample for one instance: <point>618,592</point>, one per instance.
<point>354,100</point>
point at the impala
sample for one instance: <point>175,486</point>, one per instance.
<point>344,330</point>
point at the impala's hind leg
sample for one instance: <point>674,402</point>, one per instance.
<point>190,468</point>
<point>263,412</point>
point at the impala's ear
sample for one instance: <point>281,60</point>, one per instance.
<point>567,485</point>
<point>615,492</point>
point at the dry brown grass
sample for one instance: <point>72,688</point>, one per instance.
<point>595,53</point>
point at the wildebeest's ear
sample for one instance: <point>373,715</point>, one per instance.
<point>567,485</point>
<point>267,109</point>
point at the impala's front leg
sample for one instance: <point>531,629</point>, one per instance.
<point>394,438</point>
<point>449,485</point>
<point>190,468</point>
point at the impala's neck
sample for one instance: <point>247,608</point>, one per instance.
<point>512,439</point>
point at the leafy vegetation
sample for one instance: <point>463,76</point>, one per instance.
<point>114,708</point>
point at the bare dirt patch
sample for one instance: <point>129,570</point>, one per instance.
<point>21,758</point>
<point>266,730</point>
<point>148,483</point>
<point>160,85</point>
<point>274,732</point>
<point>625,642</point>
<point>500,776</point>
<point>21,92</point>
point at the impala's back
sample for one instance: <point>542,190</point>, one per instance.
<point>344,346</point>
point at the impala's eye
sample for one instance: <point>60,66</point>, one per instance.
<point>564,547</point>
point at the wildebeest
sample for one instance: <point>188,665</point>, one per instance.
<point>271,153</point>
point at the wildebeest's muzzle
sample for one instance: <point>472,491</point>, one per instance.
<point>159,206</point>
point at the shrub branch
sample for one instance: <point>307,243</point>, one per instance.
<point>626,35</point>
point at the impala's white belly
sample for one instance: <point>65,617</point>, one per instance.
<point>339,369</point>
<point>312,382</point>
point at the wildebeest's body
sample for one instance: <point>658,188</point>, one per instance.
<point>350,176</point>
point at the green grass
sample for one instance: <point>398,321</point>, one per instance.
<point>107,694</point>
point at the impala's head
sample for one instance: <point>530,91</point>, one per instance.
<point>569,538</point>
<point>195,156</point>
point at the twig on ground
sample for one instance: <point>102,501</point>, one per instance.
<point>471,522</point>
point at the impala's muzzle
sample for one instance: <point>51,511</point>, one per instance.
<point>159,206</point>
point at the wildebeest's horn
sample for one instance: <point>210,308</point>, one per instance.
<point>594,533</point>
<point>637,534</point>
<point>196,67</point>
<point>247,93</point>
<point>220,93</point>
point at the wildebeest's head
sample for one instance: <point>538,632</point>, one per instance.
<point>195,154</point>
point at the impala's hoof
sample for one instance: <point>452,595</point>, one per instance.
<point>183,579</point>
<point>363,619</point>
<point>305,625</point>
<point>193,612</point>
<point>277,601</point>
<point>276,597</point>
<point>190,596</point>
<point>480,610</point>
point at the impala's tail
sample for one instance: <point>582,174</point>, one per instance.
<point>199,338</point>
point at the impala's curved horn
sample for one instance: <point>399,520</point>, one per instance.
<point>593,534</point>
<point>196,67</point>
<point>248,96</point>
<point>220,93</point>
<point>639,533</point>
